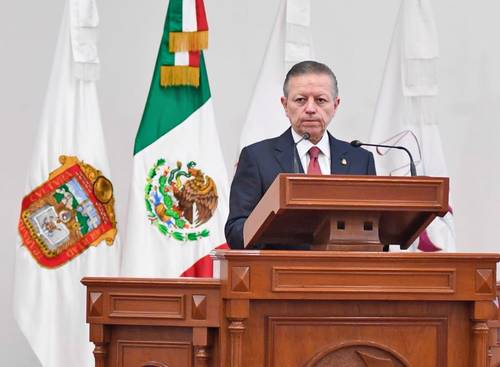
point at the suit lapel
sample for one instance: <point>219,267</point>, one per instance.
<point>284,151</point>
<point>340,160</point>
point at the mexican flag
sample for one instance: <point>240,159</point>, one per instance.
<point>178,201</point>
<point>67,227</point>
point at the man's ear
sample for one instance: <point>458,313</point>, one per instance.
<point>284,102</point>
<point>336,104</point>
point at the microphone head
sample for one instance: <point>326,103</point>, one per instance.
<point>306,136</point>
<point>356,143</point>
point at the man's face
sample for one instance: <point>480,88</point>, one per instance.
<point>310,105</point>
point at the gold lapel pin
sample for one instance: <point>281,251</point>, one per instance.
<point>343,162</point>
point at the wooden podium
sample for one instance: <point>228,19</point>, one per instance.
<point>311,308</point>
<point>349,213</point>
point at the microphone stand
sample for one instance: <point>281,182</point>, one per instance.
<point>306,136</point>
<point>413,169</point>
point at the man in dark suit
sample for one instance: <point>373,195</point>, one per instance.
<point>310,101</point>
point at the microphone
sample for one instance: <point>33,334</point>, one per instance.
<point>413,170</point>
<point>296,169</point>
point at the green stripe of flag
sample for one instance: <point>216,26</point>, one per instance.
<point>174,16</point>
<point>168,107</point>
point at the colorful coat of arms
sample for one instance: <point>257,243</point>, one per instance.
<point>69,212</point>
<point>180,201</point>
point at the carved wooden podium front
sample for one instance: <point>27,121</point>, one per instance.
<point>309,308</point>
<point>291,308</point>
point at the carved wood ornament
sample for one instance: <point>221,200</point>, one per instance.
<point>357,355</point>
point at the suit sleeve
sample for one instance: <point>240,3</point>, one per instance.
<point>246,191</point>
<point>370,169</point>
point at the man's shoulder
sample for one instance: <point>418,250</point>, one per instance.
<point>262,144</point>
<point>269,143</point>
<point>346,147</point>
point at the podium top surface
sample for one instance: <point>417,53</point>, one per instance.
<point>356,255</point>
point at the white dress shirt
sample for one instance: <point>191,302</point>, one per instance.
<point>324,156</point>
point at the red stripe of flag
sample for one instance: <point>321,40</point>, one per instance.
<point>203,268</point>
<point>194,58</point>
<point>201,16</point>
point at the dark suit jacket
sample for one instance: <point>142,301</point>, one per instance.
<point>260,163</point>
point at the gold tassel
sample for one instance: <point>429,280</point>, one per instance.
<point>187,41</point>
<point>180,75</point>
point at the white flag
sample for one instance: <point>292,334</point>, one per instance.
<point>68,210</point>
<point>406,113</point>
<point>289,44</point>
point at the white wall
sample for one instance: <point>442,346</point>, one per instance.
<point>350,35</point>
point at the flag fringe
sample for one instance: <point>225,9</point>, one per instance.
<point>187,41</point>
<point>179,76</point>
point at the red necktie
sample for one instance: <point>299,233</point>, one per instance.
<point>313,168</point>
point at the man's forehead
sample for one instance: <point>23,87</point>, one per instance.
<point>316,82</point>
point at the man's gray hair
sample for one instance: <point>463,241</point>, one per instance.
<point>310,67</point>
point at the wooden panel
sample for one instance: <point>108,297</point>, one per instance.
<point>351,275</point>
<point>385,280</point>
<point>135,346</point>
<point>358,355</point>
<point>147,306</point>
<point>390,334</point>
<point>292,334</point>
<point>132,301</point>
<point>365,192</point>
<point>132,353</point>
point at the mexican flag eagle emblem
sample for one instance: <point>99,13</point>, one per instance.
<point>179,201</point>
